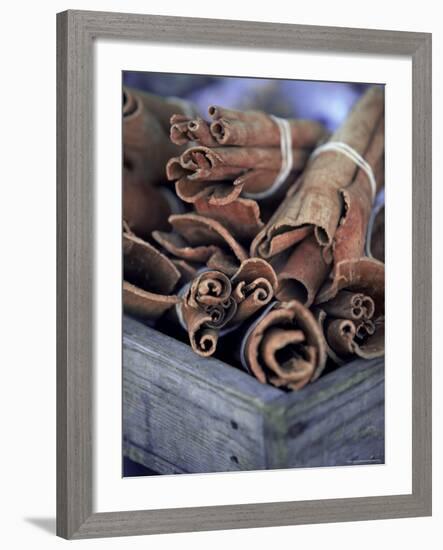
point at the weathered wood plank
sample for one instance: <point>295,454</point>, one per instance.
<point>339,420</point>
<point>183,413</point>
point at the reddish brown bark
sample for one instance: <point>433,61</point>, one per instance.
<point>207,307</point>
<point>253,286</point>
<point>257,129</point>
<point>149,279</point>
<point>286,347</point>
<point>185,130</point>
<point>241,217</point>
<point>200,171</point>
<point>146,149</point>
<point>314,203</point>
<point>362,276</point>
<point>202,240</point>
<point>304,272</point>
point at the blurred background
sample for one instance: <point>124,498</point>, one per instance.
<point>325,102</point>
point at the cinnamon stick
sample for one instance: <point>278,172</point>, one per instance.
<point>285,347</point>
<point>149,279</point>
<point>241,216</point>
<point>363,277</point>
<point>202,240</point>
<point>249,169</point>
<point>146,149</point>
<point>304,272</point>
<point>184,130</point>
<point>314,202</point>
<point>253,286</point>
<point>350,237</point>
<point>257,129</point>
<point>207,307</point>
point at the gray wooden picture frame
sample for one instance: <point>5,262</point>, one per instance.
<point>76,32</point>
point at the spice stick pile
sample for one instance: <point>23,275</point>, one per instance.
<point>253,230</point>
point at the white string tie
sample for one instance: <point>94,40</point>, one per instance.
<point>351,153</point>
<point>286,160</point>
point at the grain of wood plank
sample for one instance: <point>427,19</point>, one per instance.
<point>184,413</point>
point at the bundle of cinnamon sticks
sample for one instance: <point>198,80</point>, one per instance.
<point>262,238</point>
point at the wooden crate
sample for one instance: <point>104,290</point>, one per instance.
<point>184,414</point>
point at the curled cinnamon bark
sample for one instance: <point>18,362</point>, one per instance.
<point>149,279</point>
<point>249,169</point>
<point>364,275</point>
<point>350,237</point>
<point>207,307</point>
<point>202,240</point>
<point>304,272</point>
<point>210,288</point>
<point>241,216</point>
<point>146,144</point>
<point>185,130</point>
<point>356,292</point>
<point>255,128</point>
<point>285,347</point>
<point>203,339</point>
<point>314,203</point>
<point>144,206</point>
<point>146,149</point>
<point>254,286</point>
<point>340,335</point>
<point>145,304</point>
<point>351,305</point>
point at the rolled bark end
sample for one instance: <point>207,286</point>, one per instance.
<point>174,170</point>
<point>204,341</point>
<point>218,130</point>
<point>221,314</point>
<point>322,236</point>
<point>286,346</point>
<point>350,305</point>
<point>203,338</point>
<point>363,280</point>
<point>254,285</point>
<point>177,133</point>
<point>340,334</point>
<point>285,353</point>
<point>365,328</point>
<point>368,307</point>
<point>210,288</point>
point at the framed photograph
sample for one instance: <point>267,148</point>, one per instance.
<point>244,274</point>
